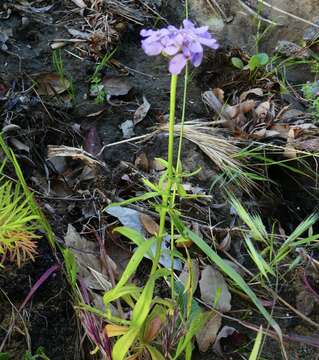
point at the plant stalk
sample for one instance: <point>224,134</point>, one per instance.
<point>170,173</point>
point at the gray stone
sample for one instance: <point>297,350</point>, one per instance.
<point>290,49</point>
<point>312,32</point>
<point>235,22</point>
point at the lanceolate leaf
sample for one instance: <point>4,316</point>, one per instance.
<point>227,269</point>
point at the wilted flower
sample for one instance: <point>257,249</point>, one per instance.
<point>182,44</point>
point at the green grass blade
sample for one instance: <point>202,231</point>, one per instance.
<point>227,269</point>
<point>135,261</point>
<point>131,234</point>
<point>143,197</point>
<point>124,343</point>
<point>257,345</point>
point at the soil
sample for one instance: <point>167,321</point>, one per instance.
<point>49,318</point>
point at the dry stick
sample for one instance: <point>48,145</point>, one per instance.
<point>288,13</point>
<point>253,12</point>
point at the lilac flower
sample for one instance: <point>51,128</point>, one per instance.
<point>181,44</point>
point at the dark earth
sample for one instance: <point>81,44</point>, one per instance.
<point>49,317</point>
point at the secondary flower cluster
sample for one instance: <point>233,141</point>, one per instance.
<point>181,44</point>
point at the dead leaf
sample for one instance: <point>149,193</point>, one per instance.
<point>214,289</point>
<point>51,84</point>
<point>153,328</point>
<point>79,34</point>
<point>184,276</point>
<point>19,145</point>
<point>225,332</point>
<point>225,243</point>
<point>262,110</point>
<point>86,255</point>
<point>80,3</point>
<point>255,91</point>
<point>116,85</point>
<point>208,333</point>
<point>58,44</point>
<point>247,106</point>
<point>149,224</point>
<point>75,153</point>
<point>141,162</point>
<point>115,330</point>
<point>92,142</point>
<point>290,152</point>
<point>141,111</point>
<point>305,302</point>
<point>220,94</point>
<point>157,165</point>
<point>127,128</point>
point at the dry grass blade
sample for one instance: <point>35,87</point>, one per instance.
<point>221,151</point>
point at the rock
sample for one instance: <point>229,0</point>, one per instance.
<point>312,32</point>
<point>235,22</point>
<point>299,74</point>
<point>290,49</point>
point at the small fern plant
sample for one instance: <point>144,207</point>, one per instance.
<point>18,224</point>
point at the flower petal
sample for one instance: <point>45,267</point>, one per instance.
<point>177,64</point>
<point>212,43</point>
<point>152,49</point>
<point>147,32</point>
<point>201,30</point>
<point>189,25</point>
<point>170,50</point>
<point>197,58</point>
<point>195,47</point>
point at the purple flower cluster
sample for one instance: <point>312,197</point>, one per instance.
<point>181,44</point>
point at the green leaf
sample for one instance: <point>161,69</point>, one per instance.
<point>143,197</point>
<point>196,324</point>
<point>155,354</point>
<point>4,356</point>
<point>117,293</point>
<point>71,266</point>
<point>263,59</point>
<point>135,261</point>
<point>227,269</point>
<point>124,343</point>
<point>151,185</point>
<point>253,63</point>
<point>257,345</point>
<point>131,234</point>
<point>237,62</point>
<point>143,304</point>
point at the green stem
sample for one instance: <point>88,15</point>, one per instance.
<point>178,170</point>
<point>170,173</point>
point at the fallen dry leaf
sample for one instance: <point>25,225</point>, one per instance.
<point>214,289</point>
<point>225,332</point>
<point>50,84</point>
<point>86,256</point>
<point>149,224</point>
<point>116,85</point>
<point>80,3</point>
<point>208,333</point>
<point>127,128</point>
<point>255,91</point>
<point>92,142</point>
<point>141,111</point>
<point>305,302</point>
<point>141,162</point>
<point>262,110</point>
<point>19,145</point>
